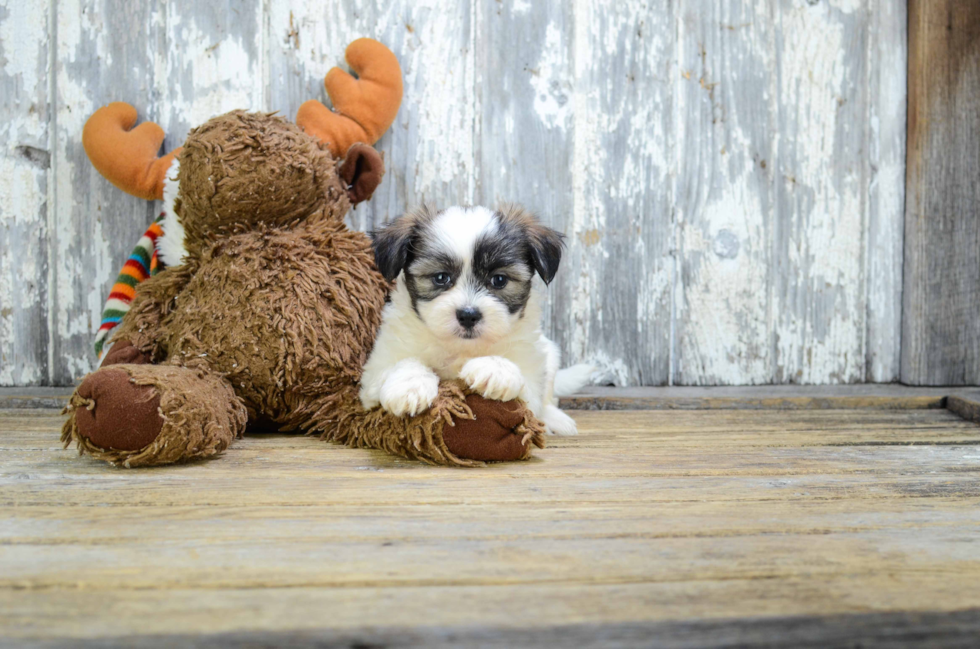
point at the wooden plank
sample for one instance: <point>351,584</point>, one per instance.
<point>121,525</point>
<point>105,51</point>
<point>748,450</point>
<point>545,616</point>
<point>25,163</point>
<point>671,456</point>
<point>821,192</point>
<point>940,330</point>
<point>724,193</point>
<point>966,405</point>
<point>770,397</point>
<point>887,100</point>
<point>34,397</point>
<point>195,562</point>
<point>430,149</point>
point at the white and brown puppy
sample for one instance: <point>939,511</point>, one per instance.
<point>467,305</point>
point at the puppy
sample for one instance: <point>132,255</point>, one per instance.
<point>467,304</point>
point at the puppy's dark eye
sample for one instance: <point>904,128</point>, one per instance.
<point>499,281</point>
<point>442,279</point>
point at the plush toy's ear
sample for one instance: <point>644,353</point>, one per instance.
<point>127,156</point>
<point>362,170</point>
<point>364,107</point>
<point>546,245</point>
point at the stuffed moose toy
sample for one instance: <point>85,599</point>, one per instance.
<point>268,305</point>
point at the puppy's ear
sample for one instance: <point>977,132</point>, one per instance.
<point>392,244</point>
<point>391,249</point>
<point>546,245</point>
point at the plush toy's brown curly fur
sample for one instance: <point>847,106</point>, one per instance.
<point>269,320</point>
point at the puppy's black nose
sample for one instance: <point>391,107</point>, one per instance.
<point>468,317</point>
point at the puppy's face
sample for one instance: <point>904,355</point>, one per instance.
<point>468,271</point>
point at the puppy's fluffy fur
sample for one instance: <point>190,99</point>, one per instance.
<point>467,304</point>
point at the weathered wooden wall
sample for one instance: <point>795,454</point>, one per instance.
<point>730,174</point>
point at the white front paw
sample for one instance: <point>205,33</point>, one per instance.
<point>409,388</point>
<point>493,377</point>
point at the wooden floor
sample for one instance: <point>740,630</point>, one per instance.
<point>688,528</point>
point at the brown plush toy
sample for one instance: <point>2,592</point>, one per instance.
<point>272,305</point>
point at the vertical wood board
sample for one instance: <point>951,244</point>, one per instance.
<point>726,128</point>
<point>940,323</point>
<point>25,163</point>
<point>822,175</point>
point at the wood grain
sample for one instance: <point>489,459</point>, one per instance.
<point>820,304</point>
<point>887,102</point>
<point>646,518</point>
<point>724,193</point>
<point>25,177</point>
<point>284,618</point>
<point>105,51</point>
<point>940,330</point>
<point>620,227</point>
<point>965,405</point>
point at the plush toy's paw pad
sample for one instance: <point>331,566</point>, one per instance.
<point>557,422</point>
<point>409,389</point>
<point>490,437</point>
<point>493,377</point>
<point>124,351</point>
<point>121,415</point>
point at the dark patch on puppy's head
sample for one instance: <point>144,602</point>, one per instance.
<point>504,251</point>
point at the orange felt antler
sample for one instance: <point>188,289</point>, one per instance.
<point>127,158</point>
<point>365,107</point>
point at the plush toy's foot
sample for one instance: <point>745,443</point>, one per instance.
<point>499,431</point>
<point>118,414</point>
<point>142,415</point>
<point>457,430</point>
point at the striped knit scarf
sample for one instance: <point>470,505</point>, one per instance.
<point>142,263</point>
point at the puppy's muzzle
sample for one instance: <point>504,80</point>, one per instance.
<point>468,317</point>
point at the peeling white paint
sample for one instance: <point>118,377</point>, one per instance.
<point>210,75</point>
<point>886,190</point>
<point>824,342</point>
<point>587,211</point>
<point>23,191</point>
<point>550,82</point>
<point>19,40</point>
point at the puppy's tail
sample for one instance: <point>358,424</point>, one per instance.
<point>572,379</point>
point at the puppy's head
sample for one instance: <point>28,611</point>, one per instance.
<point>468,270</point>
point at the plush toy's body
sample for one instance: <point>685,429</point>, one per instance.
<point>274,307</point>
